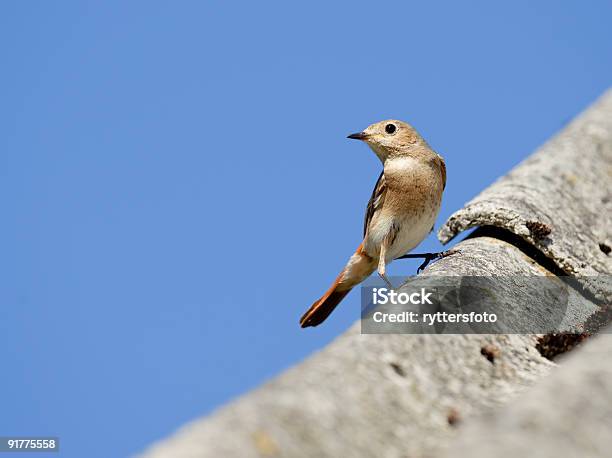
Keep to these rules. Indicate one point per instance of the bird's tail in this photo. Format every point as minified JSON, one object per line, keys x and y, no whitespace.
{"x":359,"y":267}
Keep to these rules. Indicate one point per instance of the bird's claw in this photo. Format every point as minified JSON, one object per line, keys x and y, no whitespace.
{"x":435,"y":257}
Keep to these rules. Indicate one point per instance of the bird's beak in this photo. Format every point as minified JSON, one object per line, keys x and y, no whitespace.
{"x":358,"y":136}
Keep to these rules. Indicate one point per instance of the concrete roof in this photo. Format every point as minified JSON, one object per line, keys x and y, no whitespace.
{"x":401,"y":395}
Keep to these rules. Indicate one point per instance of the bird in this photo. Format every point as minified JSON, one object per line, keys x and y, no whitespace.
{"x":400,"y":213}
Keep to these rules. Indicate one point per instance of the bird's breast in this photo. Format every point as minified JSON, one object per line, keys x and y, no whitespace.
{"x":411,"y":205}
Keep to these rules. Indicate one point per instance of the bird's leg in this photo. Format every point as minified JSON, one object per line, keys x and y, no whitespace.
{"x":382,"y":267}
{"x":428,"y":257}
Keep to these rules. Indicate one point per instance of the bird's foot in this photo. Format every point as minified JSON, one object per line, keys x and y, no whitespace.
{"x":387,"y":281}
{"x":428,"y":257}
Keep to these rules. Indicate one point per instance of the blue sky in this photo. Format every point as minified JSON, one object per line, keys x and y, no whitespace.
{"x":176,"y":186}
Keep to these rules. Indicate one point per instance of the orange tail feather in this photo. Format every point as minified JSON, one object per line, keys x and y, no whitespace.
{"x":359,"y":267}
{"x":322,"y":308}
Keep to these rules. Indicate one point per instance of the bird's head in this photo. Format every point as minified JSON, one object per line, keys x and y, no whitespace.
{"x":389,"y":138}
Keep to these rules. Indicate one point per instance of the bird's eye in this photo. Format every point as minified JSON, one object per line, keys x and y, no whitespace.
{"x":390,"y":128}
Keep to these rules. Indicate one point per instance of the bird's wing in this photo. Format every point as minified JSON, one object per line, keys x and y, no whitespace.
{"x":442,"y":170}
{"x":375,"y":202}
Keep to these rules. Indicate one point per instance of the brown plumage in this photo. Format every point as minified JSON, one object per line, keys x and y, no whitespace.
{"x":359,"y":267}
{"x":400,"y":213}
